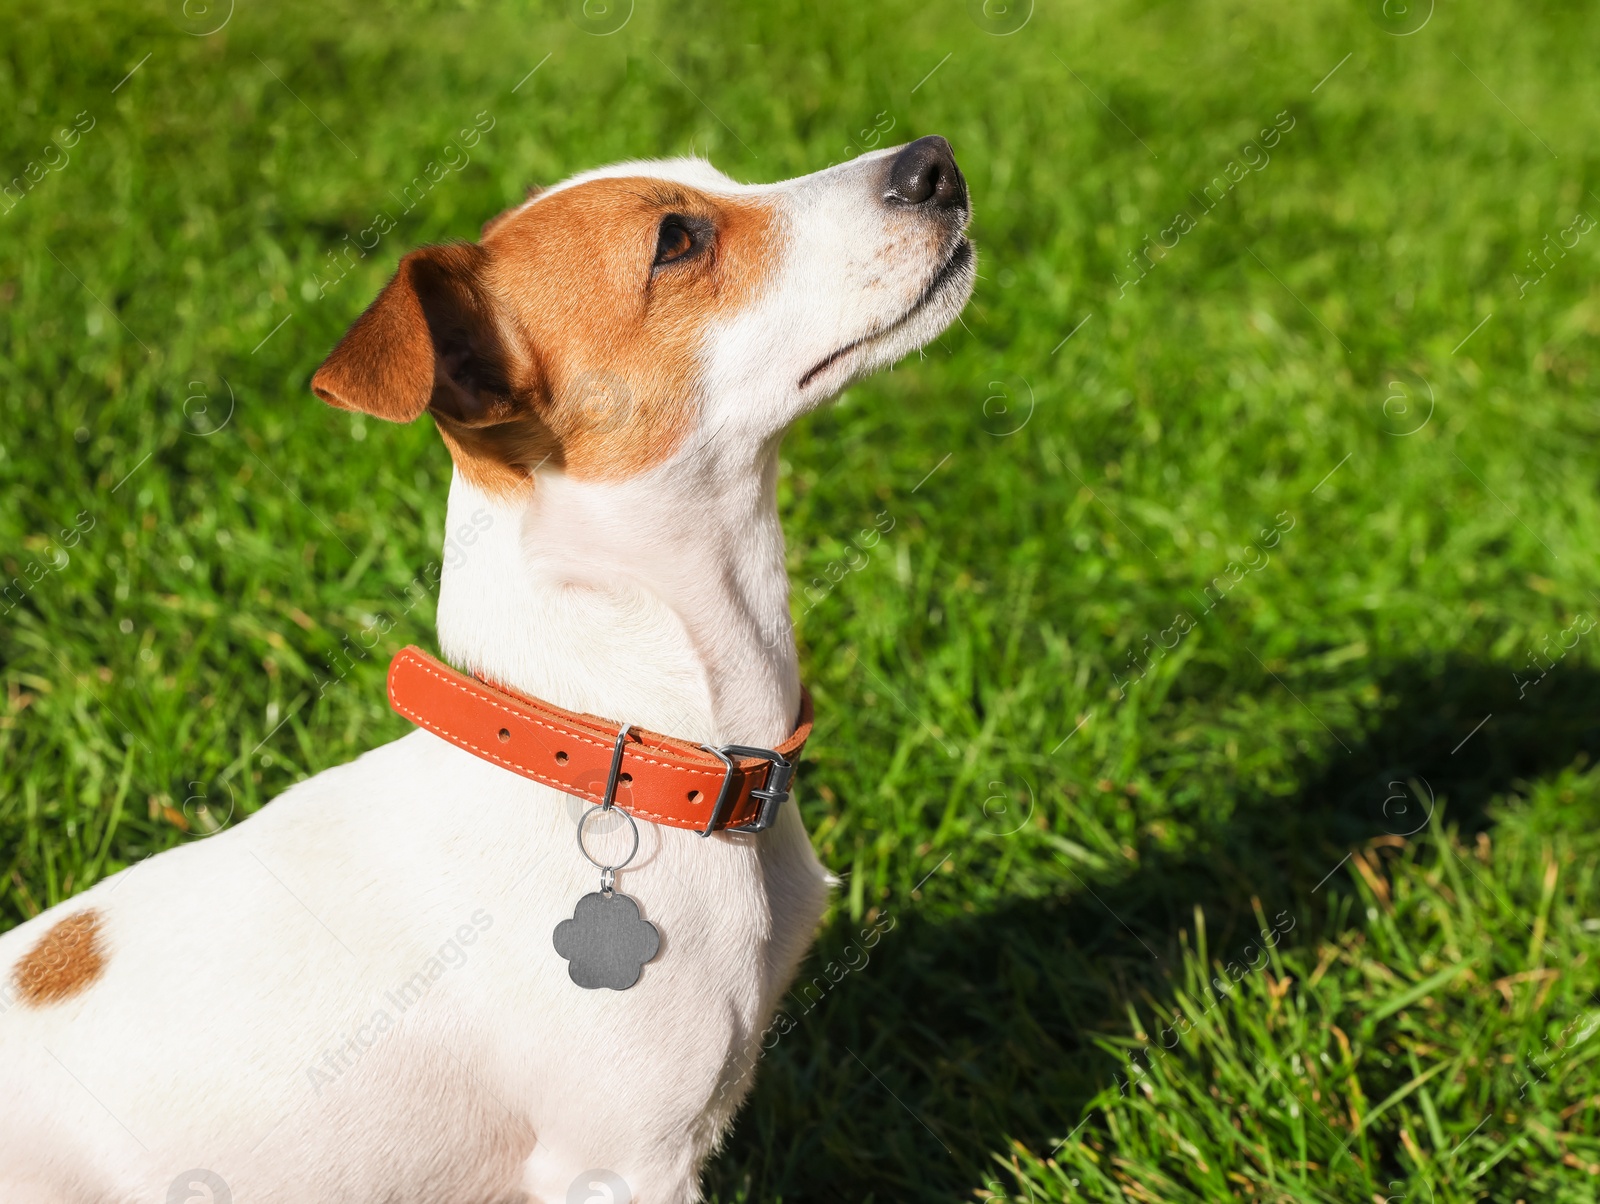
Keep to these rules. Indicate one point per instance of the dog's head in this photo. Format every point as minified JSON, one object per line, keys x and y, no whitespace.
{"x":599,"y":325}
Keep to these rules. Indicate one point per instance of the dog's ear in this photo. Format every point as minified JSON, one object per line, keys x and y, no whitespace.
{"x":430,"y":341}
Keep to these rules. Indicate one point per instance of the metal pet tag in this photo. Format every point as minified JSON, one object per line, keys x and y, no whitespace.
{"x":606,"y":943}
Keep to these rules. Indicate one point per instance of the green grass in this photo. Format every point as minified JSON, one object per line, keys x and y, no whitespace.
{"x":1063,"y":991}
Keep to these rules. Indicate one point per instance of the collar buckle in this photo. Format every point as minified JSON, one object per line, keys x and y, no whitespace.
{"x":780,"y":773}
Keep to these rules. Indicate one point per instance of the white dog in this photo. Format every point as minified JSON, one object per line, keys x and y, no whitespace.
{"x":359,"y":995}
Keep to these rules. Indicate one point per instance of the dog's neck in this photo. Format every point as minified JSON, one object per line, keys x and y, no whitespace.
{"x":660,"y":601}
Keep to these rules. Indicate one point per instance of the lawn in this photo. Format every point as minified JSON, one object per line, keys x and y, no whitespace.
{"x":1207,"y":744}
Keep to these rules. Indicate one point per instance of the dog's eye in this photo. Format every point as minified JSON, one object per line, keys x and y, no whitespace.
{"x":676,"y":240}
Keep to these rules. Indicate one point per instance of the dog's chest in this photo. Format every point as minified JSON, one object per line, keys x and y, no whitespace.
{"x":735,"y":915}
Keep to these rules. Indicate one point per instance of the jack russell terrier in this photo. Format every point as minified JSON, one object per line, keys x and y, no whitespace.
{"x":405,"y":980}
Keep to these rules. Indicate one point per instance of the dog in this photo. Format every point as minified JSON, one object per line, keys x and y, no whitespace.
{"x":354,"y":995}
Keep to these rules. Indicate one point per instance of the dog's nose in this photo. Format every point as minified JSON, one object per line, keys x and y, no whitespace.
{"x":925,"y":173}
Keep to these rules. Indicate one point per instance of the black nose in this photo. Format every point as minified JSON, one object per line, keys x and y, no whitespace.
{"x":925,"y":173}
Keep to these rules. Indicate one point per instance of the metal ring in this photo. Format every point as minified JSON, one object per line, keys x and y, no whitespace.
{"x":589,"y":814}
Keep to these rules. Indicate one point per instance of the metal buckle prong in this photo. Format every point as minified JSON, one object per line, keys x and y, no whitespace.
{"x":779,"y":775}
{"x":610,"y":799}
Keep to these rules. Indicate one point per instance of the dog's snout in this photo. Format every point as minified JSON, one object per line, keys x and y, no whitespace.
{"x":925,"y":173}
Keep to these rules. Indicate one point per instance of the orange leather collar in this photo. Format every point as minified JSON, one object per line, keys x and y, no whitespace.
{"x":650,"y":776}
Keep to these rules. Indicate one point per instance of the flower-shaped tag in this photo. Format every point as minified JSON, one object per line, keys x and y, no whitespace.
{"x":605,"y":942}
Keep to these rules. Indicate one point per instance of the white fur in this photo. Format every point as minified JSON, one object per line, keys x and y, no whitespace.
{"x":352,"y":996}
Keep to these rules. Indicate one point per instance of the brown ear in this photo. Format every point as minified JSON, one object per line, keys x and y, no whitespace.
{"x":429,"y":341}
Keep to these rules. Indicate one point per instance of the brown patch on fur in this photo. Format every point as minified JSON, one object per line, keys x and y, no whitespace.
{"x":65,"y":961}
{"x":554,"y":340}
{"x":533,"y":191}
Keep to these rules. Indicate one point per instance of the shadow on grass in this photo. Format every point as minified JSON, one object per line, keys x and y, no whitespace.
{"x":966,"y":1033}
